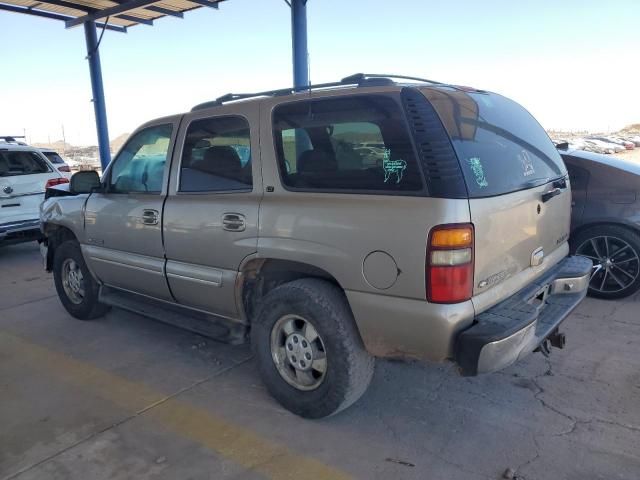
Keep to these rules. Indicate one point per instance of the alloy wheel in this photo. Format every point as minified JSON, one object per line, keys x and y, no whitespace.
{"x":616,"y":264}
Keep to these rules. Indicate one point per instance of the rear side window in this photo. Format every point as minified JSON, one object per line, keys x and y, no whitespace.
{"x":500,"y":146}
{"x":54,"y":157}
{"x":216,"y":156}
{"x":345,"y":144}
{"x":14,"y":163}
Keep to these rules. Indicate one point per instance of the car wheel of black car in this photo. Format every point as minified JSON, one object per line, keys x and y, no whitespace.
{"x":76,"y":287}
{"x":309,"y":352}
{"x":615,"y":252}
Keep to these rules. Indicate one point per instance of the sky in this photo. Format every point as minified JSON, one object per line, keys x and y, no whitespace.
{"x":573,"y":64}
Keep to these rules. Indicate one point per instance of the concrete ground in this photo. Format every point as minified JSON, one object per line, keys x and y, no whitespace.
{"x":126,"y":397}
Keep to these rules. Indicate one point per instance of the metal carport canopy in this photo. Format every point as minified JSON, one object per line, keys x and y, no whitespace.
{"x":119,"y":15}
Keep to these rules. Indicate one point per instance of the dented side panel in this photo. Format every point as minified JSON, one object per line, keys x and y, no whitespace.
{"x":67,"y":212}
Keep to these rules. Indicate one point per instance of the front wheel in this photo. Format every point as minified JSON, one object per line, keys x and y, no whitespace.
{"x":76,"y":287}
{"x":308,"y":349}
{"x":615,"y":252}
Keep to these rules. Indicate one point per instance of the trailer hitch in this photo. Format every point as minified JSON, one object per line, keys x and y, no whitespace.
{"x":555,"y":339}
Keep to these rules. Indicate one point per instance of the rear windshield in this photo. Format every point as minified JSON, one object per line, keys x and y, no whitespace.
{"x":501,"y":147}
{"x":54,"y":157}
{"x":14,"y":163}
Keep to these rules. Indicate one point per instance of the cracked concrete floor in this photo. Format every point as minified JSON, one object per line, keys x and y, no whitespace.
{"x":127,"y":397}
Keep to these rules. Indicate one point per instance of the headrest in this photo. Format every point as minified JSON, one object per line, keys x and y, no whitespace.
{"x":221,"y":160}
{"x":316,"y":161}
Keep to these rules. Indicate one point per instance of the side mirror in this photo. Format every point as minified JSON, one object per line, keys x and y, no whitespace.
{"x":84,"y":182}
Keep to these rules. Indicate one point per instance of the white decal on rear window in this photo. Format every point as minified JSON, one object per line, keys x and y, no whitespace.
{"x":527,"y":164}
{"x":392,"y":167}
{"x":478,"y":172}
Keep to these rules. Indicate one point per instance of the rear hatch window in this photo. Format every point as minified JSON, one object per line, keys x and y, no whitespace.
{"x":14,"y":163}
{"x":22,"y":172}
{"x":500,"y":146}
{"x":54,"y":158}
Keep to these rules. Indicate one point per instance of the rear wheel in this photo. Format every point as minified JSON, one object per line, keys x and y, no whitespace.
{"x":309,"y":352}
{"x":76,"y":287}
{"x":615,"y":252}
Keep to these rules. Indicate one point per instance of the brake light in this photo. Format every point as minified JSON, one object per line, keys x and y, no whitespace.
{"x":64,"y":168}
{"x":52,"y":182}
{"x":449,"y":268}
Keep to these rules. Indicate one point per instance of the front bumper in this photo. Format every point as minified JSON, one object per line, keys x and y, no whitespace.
{"x":20,"y":231}
{"x":515,"y":327}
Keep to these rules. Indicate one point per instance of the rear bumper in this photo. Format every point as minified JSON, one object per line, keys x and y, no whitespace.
{"x":24,"y":230}
{"x":515,"y":327}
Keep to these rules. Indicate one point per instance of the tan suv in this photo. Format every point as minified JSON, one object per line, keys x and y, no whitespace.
{"x":364,"y":218}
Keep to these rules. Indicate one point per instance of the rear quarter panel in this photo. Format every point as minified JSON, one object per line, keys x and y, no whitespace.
{"x":336,"y":231}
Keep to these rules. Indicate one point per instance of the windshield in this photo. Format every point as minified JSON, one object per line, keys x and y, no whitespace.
{"x":14,"y":163}
{"x":500,"y":146}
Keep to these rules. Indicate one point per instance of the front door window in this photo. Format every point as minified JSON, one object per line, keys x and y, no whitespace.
{"x":139,"y":167}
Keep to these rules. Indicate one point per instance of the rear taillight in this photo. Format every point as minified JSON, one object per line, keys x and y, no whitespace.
{"x":64,"y":168}
{"x":52,"y":182}
{"x":449,"y":269}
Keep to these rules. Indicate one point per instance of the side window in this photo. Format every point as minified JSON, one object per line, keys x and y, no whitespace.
{"x":216,"y":156}
{"x":140,"y":165}
{"x":355,"y":143}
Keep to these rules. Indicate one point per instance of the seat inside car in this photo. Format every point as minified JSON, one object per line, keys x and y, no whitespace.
{"x":222,"y":161}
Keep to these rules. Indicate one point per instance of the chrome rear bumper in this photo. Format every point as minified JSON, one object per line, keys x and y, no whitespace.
{"x":517,"y":326}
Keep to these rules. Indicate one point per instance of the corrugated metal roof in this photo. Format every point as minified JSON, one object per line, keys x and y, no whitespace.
{"x":114,"y":14}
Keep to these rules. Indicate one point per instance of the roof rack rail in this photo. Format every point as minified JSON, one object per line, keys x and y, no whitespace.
{"x":12,"y":139}
{"x":361,"y":77}
{"x":358,"y":79}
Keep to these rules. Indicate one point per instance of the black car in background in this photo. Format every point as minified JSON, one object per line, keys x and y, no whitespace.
{"x":605,"y":219}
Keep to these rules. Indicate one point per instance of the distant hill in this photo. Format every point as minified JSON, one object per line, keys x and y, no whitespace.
{"x":634,"y":127}
{"x":60,"y":146}
{"x":117,"y":142}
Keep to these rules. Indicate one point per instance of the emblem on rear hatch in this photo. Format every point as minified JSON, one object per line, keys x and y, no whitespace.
{"x":493,"y":279}
{"x":7,"y":190}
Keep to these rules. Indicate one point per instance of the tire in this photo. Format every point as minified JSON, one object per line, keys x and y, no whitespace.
{"x":622,"y":266}
{"x":85,"y":306}
{"x":348,"y":366}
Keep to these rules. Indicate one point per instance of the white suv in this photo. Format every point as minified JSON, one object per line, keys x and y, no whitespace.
{"x":25,"y":173}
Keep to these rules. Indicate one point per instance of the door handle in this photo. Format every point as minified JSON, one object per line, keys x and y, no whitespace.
{"x":550,"y":194}
{"x":233,"y":222}
{"x":150,"y":217}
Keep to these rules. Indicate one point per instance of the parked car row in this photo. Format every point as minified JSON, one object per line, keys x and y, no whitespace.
{"x":602,"y":144}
